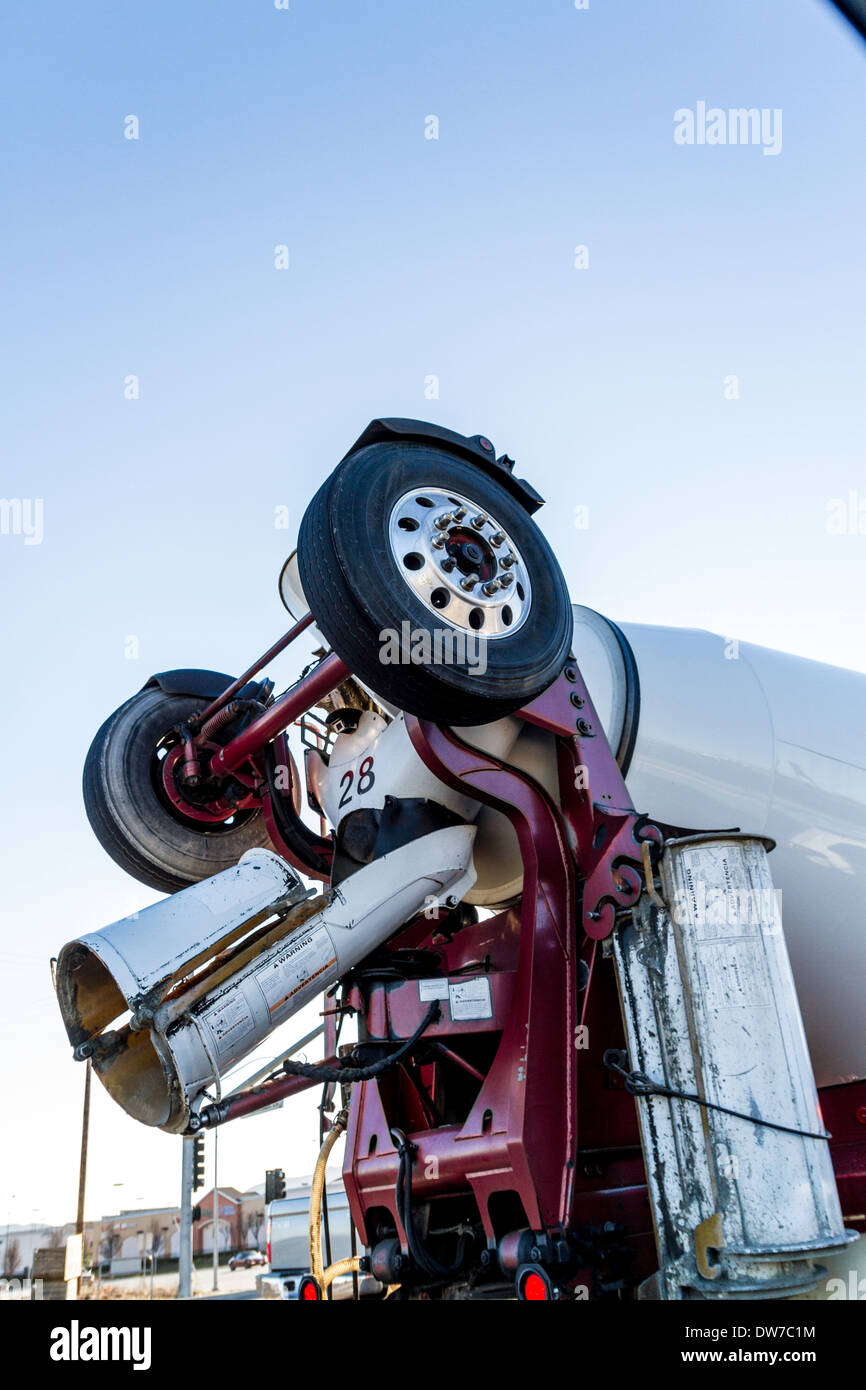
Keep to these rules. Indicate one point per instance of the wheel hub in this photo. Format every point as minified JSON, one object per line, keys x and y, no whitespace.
{"x":460,"y":562}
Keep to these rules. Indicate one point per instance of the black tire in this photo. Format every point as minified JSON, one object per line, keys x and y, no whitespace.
{"x":129,"y":813}
{"x":356,"y":590}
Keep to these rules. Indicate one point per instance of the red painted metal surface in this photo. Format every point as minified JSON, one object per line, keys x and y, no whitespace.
{"x":518,"y":1135}
{"x":309,"y":690}
{"x":214,"y":812}
{"x":841,"y":1111}
{"x":251,"y":671}
{"x":248,"y":1102}
{"x":607,"y":830}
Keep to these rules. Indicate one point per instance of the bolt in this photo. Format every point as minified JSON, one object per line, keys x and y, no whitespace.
{"x":506,"y":579}
{"x":576,"y":700}
{"x":459,"y":513}
{"x":468,"y":582}
{"x":535,"y":1254}
{"x":438,"y":542}
{"x":509,"y":559}
{"x":570,"y":674}
{"x":447,"y":564}
{"x":443,"y":522}
{"x":583,"y":727}
{"x":491,"y":587}
{"x":479,"y":521}
{"x":622,"y":887}
{"x":497,"y":538}
{"x":485,"y":1258}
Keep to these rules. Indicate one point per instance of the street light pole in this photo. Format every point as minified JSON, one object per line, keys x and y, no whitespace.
{"x":184,"y":1237}
{"x":216,"y":1205}
{"x":82,"y":1167}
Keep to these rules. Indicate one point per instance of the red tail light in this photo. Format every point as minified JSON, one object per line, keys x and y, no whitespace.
{"x":308,"y":1290}
{"x":534,"y":1285}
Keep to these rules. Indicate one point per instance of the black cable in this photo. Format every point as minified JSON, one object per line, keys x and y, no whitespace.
{"x":638,"y":1084}
{"x":403,"y":1192}
{"x":321,"y":1072}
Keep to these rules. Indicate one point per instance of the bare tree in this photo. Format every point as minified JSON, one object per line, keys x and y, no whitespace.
{"x":110,"y":1244}
{"x":11,"y":1257}
{"x":255,"y":1226}
{"x":156,"y":1236}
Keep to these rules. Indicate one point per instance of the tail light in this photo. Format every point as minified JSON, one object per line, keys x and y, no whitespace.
{"x":533,"y":1285}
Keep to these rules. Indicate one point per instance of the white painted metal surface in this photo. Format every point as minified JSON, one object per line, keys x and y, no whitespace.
{"x":378,"y":760}
{"x":166,"y":940}
{"x":189,"y":1028}
{"x":731,"y":734}
{"x":740,"y":1209}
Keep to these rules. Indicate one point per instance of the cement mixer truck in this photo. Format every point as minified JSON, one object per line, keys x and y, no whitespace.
{"x":592,"y":892}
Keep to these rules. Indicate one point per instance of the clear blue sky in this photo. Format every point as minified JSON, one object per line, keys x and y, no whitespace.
{"x":409,"y":258}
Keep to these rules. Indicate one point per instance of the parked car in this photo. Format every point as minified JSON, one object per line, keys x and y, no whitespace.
{"x":247,"y":1259}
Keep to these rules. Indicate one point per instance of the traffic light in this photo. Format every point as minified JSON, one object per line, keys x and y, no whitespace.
{"x":275,"y":1184}
{"x":198,"y":1162}
{"x":196,"y":1213}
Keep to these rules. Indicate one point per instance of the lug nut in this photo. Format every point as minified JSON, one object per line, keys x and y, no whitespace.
{"x":447,"y":564}
{"x":479,"y":521}
{"x":468,"y":582}
{"x":509,"y":559}
{"x":444,"y":521}
{"x":459,"y":513}
{"x":506,"y":579}
{"x":497,"y":538}
{"x":491,"y":587}
{"x":439,"y":542}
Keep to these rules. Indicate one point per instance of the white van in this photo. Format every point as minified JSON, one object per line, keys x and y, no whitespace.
{"x":288,"y":1244}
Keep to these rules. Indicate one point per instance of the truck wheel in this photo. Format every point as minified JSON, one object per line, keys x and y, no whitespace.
{"x":131,"y":815}
{"x":433,"y":584}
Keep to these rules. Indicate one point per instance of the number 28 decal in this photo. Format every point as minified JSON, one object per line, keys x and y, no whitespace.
{"x":366,"y":778}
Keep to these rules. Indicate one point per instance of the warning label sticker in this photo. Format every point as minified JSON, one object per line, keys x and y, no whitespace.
{"x":229,"y":1021}
{"x":735,"y":974}
{"x":433,"y":989}
{"x":470,"y":999}
{"x":294,"y":972}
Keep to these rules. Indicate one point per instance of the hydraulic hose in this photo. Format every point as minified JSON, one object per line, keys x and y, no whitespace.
{"x":316,"y":1191}
{"x":351,"y":1265}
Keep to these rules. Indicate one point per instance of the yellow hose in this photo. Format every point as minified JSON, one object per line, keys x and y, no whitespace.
{"x":351,"y":1265}
{"x":318,"y":1187}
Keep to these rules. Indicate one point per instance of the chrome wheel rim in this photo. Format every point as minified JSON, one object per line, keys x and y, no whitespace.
{"x":459,"y":562}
